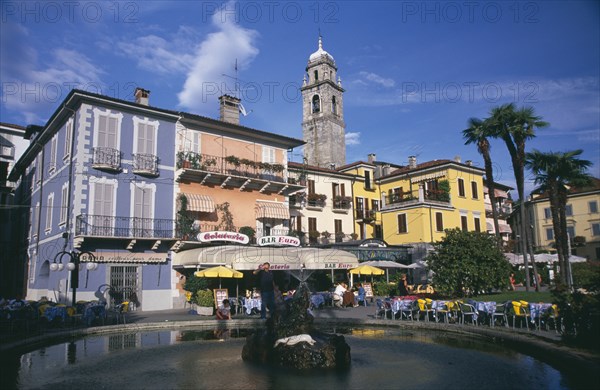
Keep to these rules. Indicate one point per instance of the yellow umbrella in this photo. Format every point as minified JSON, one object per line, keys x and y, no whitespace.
{"x":219,"y":272}
{"x":367,"y":270}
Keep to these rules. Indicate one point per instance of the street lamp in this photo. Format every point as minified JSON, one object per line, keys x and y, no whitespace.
{"x":73,"y":266}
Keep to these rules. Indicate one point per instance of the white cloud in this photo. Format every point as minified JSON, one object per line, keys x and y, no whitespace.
{"x":158,"y":55}
{"x":352,"y":138}
{"x":377,"y":79}
{"x":215,"y":56}
{"x":40,"y":82}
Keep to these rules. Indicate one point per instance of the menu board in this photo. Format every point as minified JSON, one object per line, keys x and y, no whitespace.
{"x":368,"y":290}
{"x":220,"y":295}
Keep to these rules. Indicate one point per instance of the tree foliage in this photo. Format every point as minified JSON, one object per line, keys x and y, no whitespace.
{"x":467,"y":263}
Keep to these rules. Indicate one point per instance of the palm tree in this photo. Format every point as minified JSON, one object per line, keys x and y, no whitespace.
{"x":515,"y":127}
{"x":555,"y":173}
{"x":477,"y":133}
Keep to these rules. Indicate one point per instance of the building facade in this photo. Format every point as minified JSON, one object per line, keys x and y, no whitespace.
{"x":503,"y":210}
{"x":323,"y":212}
{"x":583,"y":221}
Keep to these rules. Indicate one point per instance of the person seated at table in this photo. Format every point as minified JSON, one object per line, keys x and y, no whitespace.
{"x":224,"y":311}
{"x":338,"y":294}
{"x":402,"y":286}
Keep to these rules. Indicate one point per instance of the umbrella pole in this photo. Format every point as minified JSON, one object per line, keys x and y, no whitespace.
{"x":387,"y":275}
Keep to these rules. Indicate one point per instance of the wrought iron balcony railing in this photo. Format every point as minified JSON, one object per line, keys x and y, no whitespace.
{"x":230,"y":166}
{"x":145,"y":164}
{"x":124,"y":227}
{"x":106,"y":158}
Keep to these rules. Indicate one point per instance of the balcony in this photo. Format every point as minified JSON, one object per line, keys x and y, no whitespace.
{"x":433,"y":198}
{"x":108,"y":159}
{"x":233,"y":172}
{"x":342,"y":203}
{"x":124,"y":227}
{"x":145,"y":164}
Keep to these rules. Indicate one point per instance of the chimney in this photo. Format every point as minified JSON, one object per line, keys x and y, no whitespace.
{"x":142,"y":96}
{"x":469,"y":162}
{"x":372,"y":158}
{"x":386,"y":169}
{"x":412,"y":162}
{"x":457,"y":159}
{"x":229,"y":109}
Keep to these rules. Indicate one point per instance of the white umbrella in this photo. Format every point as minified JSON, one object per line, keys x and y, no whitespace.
{"x":385,"y":264}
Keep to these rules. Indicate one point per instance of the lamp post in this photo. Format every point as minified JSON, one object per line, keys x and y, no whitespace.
{"x":73,"y":266}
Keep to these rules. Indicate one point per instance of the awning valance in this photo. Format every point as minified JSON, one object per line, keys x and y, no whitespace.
{"x":245,"y":258}
{"x":275,"y":210}
{"x":504,"y":228}
{"x":197,"y":202}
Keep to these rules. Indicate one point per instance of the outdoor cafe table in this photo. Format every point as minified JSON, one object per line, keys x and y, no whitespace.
{"x":485,"y":309}
{"x":252,"y":303}
{"x":52,"y":312}
{"x":401,"y":304}
{"x":536,"y":311}
{"x":93,"y":310}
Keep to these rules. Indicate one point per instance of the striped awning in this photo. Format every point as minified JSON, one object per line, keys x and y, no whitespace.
{"x":275,"y":210}
{"x":504,"y":228}
{"x":203,"y":203}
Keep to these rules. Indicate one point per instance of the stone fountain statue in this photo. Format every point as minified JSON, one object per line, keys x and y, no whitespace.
{"x":291,"y":341}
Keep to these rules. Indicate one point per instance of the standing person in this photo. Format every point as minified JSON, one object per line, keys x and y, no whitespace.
{"x":511,"y":280}
{"x":265,"y":283}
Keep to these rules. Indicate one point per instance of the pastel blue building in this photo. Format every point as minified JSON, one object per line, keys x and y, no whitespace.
{"x":98,"y":180}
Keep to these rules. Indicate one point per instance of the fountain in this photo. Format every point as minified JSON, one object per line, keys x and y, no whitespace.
{"x":290,"y":340}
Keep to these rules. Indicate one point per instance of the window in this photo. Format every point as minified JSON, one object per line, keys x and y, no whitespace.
{"x":64,"y":207}
{"x":461,"y":187}
{"x":102,"y":218}
{"x":549,"y":234}
{"x":68,"y":139}
{"x":571,"y":231}
{"x":359,"y":205}
{"x":593,"y":205}
{"x":439,"y":222}
{"x":53,"y":151}
{"x":143,"y":210}
{"x":311,"y":187}
{"x":596,"y":229}
{"x":316,"y":104}
{"x":474,"y":190}
{"x":463,"y":223}
{"x":368,"y":180}
{"x":337,"y":228}
{"x":49,"y":209}
{"x":547,"y":213}
{"x":333,"y":105}
{"x":38,"y":168}
{"x":312,"y":225}
{"x":375,"y":205}
{"x":569,"y":210}
{"x":144,"y":136}
{"x":189,"y":140}
{"x":477,"y":224}
{"x":316,"y":73}
{"x":402,"y":226}
{"x":108,"y":130}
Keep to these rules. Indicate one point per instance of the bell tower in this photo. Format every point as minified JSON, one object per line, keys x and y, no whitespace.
{"x":323,"y":112}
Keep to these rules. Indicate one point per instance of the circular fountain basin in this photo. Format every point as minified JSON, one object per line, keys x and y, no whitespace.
{"x":198,"y":358}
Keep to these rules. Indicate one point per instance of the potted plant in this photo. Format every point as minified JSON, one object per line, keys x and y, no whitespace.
{"x":250,"y":232}
{"x":233,"y":160}
{"x":326,"y":236}
{"x":205,"y":301}
{"x":313,"y":236}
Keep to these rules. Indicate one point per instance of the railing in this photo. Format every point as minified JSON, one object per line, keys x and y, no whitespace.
{"x":225,"y":166}
{"x":263,"y":232}
{"x":106,"y":158}
{"x":145,"y":164}
{"x":126,"y":227}
{"x":341,"y":204}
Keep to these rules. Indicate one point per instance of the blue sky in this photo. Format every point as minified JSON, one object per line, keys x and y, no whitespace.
{"x":414,"y":72}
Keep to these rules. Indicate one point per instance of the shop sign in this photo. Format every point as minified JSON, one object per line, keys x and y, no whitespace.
{"x":223,"y":236}
{"x":278,"y":240}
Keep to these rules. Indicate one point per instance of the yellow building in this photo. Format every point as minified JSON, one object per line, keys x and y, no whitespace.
{"x":583,"y":221}
{"x":416,"y":203}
